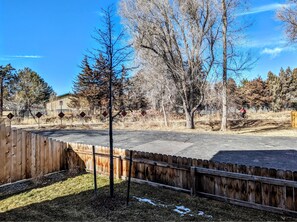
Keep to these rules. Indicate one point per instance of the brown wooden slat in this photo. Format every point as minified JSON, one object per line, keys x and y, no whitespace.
{"x":19,"y":154}
{"x":289,"y":191}
{"x":13,"y":164}
{"x":33,"y":154}
{"x":262,"y":179}
{"x":24,"y":154}
{"x":2,"y":153}
{"x":28,"y":154}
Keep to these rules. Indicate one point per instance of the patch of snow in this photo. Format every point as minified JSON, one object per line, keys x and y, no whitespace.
{"x":145,"y":200}
{"x":201,"y":213}
{"x":182,"y":210}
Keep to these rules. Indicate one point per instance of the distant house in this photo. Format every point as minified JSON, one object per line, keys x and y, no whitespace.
{"x":58,"y":104}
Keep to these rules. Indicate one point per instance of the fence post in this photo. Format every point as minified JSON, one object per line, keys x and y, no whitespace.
{"x":94,"y":168}
{"x":193,"y":183}
{"x":129,"y":178}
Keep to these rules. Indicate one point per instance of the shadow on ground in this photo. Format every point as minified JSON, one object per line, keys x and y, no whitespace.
{"x":83,"y":205}
{"x":277,"y":159}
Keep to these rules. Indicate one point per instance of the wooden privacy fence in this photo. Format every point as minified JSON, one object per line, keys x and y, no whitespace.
{"x":256,"y":191}
{"x":25,"y":155}
{"x":262,"y":188}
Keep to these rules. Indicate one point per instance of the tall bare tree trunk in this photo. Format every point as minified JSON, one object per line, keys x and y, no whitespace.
{"x":164,"y":113}
{"x":190,"y":120}
{"x":224,"y":91}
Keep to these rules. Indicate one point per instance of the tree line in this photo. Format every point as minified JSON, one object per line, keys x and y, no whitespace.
{"x":278,"y":92}
{"x":22,"y":90}
{"x":180,"y":46}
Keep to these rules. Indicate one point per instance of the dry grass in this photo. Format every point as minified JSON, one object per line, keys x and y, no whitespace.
{"x":74,"y":200}
{"x":261,"y":123}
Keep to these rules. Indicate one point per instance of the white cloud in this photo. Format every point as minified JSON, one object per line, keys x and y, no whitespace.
{"x":27,"y":56}
{"x":265,"y":42}
{"x":4,"y":59}
{"x":264,"y":8}
{"x":100,"y":13}
{"x":273,"y":52}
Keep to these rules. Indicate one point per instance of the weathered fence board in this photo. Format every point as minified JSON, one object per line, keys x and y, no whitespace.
{"x":273,"y":193}
{"x":25,"y":155}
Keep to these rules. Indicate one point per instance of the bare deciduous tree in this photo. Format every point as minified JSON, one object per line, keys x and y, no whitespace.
{"x":112,"y":47}
{"x":288,"y":14}
{"x":182,"y":34}
{"x":233,"y":61}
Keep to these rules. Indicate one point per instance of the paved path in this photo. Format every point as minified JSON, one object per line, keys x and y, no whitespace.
{"x":272,"y":152}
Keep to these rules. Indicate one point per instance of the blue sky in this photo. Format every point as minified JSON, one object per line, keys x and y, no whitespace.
{"x":52,"y":36}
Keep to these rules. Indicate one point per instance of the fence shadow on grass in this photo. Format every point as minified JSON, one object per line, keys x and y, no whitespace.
{"x":80,"y":206}
{"x":277,"y":159}
{"x":85,"y":206}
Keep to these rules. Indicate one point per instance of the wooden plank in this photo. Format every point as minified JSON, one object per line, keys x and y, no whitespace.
{"x":42,"y":155}
{"x":40,"y":159}
{"x":158,"y":169}
{"x":193,"y":181}
{"x":180,"y":176}
{"x":139,"y":168}
{"x":33,"y":155}
{"x":50,"y":155}
{"x":63,"y":155}
{"x":251,"y":186}
{"x":243,"y":184}
{"x":273,"y":189}
{"x":280,"y":190}
{"x":204,"y":179}
{"x":265,"y":187}
{"x":13,"y":164}
{"x":295,"y":190}
{"x":262,"y":179}
{"x":24,"y":154}
{"x":211,"y":179}
{"x":217,"y":181}
{"x":289,"y":191}
{"x":59,"y":153}
{"x":170,"y":171}
{"x":258,"y":186}
{"x":119,"y":164}
{"x":28,"y":154}
{"x":222,"y":181}
{"x":149,"y":168}
{"x":55,"y":156}
{"x":46,"y":156}
{"x":230,"y":191}
{"x":2,"y":154}
{"x":37,"y":155}
{"x":250,"y":205}
{"x":165,"y":171}
{"x":19,"y":154}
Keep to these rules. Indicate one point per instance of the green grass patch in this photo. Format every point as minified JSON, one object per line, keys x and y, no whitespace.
{"x":73,"y":199}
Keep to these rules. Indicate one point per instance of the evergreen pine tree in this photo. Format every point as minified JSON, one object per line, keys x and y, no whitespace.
{"x":92,"y":84}
{"x":274,"y":88}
